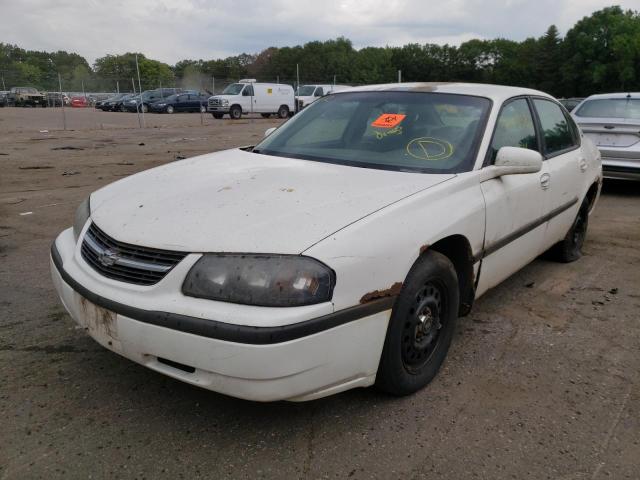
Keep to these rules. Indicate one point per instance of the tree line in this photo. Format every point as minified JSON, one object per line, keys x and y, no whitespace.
{"x":600,"y":53}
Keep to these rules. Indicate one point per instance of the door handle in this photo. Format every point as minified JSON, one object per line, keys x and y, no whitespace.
{"x":545,"y":179}
{"x":582,"y":163}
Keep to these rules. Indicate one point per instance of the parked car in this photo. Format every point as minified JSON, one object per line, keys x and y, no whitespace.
{"x":570,"y":103}
{"x":4,"y":101}
{"x":188,"y":101}
{"x":79,"y":102}
{"x":56,"y":99}
{"x":247,"y":96}
{"x":103,"y":104}
{"x":26,"y":97}
{"x":148,"y":97}
{"x":307,"y":94}
{"x":340,"y":250}
{"x":612,"y":122}
{"x":115,"y":103}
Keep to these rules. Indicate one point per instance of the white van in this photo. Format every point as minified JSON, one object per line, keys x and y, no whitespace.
{"x":247,"y":96}
{"x":307,"y":94}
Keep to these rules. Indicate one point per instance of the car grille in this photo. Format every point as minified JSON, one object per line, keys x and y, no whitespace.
{"x":125,"y":262}
{"x":215,"y":102}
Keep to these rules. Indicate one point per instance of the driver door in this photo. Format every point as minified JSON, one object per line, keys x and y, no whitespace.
{"x":514,"y":203}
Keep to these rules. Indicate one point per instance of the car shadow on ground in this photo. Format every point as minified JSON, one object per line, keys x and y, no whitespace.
{"x":627,"y":188}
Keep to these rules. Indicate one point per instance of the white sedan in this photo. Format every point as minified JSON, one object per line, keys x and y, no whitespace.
{"x":338,"y":252}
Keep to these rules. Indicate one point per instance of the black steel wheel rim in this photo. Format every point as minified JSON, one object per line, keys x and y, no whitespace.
{"x":423,"y":325}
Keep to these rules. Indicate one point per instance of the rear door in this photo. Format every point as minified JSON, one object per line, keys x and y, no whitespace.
{"x":515,"y":204}
{"x":566,"y":167}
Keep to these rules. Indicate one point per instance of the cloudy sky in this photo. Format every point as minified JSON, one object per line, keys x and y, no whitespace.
{"x":170,"y":30}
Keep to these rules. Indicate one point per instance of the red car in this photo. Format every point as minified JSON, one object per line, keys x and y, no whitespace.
{"x":79,"y":102}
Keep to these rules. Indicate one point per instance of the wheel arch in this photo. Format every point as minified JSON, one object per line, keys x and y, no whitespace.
{"x":457,"y":249}
{"x":592,"y":195}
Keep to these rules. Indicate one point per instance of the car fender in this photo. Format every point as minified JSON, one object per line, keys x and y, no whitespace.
{"x":373,"y":256}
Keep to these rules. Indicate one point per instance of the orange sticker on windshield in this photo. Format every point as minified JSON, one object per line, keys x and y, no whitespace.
{"x":388,"y":120}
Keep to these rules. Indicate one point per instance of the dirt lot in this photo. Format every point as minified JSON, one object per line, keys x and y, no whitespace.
{"x":542,"y":380}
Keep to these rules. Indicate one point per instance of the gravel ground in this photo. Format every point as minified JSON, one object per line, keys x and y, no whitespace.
{"x":542,"y":380}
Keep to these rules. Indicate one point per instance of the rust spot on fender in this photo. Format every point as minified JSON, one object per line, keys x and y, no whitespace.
{"x":424,"y":248}
{"x":376,"y":294}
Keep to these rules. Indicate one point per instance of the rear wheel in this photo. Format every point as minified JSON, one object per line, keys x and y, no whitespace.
{"x":421,"y":326}
{"x":570,"y":248}
{"x":283,"y":111}
{"x":235,"y":112}
{"x":169,"y":108}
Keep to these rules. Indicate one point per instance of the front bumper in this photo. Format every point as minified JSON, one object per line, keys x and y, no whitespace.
{"x":297,"y":361}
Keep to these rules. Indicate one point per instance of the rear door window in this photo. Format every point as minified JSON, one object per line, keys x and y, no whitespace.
{"x":557,"y":134}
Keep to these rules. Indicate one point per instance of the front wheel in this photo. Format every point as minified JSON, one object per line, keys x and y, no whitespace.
{"x":235,"y":112}
{"x":169,"y":109}
{"x":421,"y":326}
{"x":569,"y":249}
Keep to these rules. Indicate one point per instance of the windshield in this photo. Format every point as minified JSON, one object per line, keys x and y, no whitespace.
{"x":611,"y":108}
{"x":233,"y":89}
{"x":306,"y":90}
{"x":405,"y":131}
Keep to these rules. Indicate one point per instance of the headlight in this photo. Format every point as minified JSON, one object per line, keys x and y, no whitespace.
{"x":83,"y":212}
{"x":225,"y":102}
{"x":263,"y":280}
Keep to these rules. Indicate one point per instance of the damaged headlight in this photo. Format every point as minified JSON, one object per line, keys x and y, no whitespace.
{"x":262,"y":280}
{"x":83,"y":212}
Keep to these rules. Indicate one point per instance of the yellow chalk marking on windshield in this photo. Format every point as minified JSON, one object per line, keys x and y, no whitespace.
{"x":427,"y":148}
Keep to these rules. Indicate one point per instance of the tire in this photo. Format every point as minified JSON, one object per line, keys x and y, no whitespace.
{"x":421,"y":327}
{"x":283,"y":111}
{"x":123,"y":108}
{"x":570,"y":248}
{"x":265,"y":115}
{"x":145,"y":108}
{"x":235,"y":112}
{"x":169,"y":109}
{"x":217,"y":116}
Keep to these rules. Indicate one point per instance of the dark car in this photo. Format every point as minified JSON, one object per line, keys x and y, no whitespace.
{"x":3,"y":99}
{"x":119,"y":104}
{"x":570,"y":103}
{"x":107,"y":104}
{"x":148,"y":97}
{"x":188,"y":101}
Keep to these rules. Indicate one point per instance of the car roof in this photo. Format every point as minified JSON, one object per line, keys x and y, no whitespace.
{"x":497,"y":93}
{"x":614,"y":95}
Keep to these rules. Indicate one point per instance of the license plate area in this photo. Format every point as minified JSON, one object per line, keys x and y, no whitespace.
{"x":101,"y":323}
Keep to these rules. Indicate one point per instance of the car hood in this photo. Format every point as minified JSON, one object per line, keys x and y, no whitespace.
{"x":238,"y":201}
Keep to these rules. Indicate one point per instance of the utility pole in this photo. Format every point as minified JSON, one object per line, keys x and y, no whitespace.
{"x":399,"y":76}
{"x":334,"y":81}
{"x":140,"y":89}
{"x":3,"y":86}
{"x":297,"y":85}
{"x":117,"y":86}
{"x":64,"y":115}
{"x":213,"y":85}
{"x":137,"y":109}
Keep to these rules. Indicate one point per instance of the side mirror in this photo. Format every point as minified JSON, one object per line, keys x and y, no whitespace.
{"x":269,"y":131}
{"x":515,"y":160}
